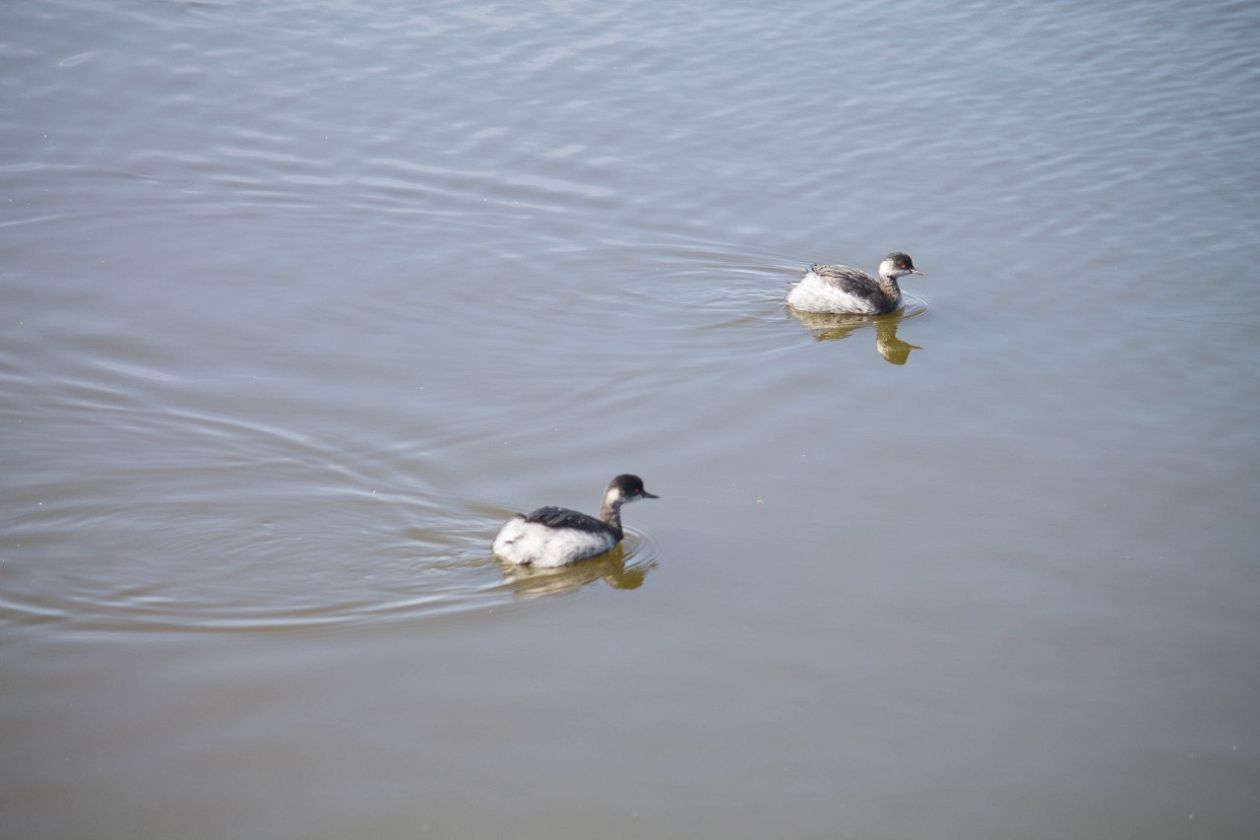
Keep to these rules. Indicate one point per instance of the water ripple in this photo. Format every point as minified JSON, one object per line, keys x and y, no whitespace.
{"x":217,"y":522}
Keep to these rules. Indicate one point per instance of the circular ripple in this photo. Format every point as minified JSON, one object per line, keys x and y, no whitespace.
{"x":227,"y":525}
{"x":269,"y":576}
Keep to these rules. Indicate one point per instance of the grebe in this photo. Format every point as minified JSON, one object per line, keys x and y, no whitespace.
{"x":556,"y":536}
{"x":851,"y":291}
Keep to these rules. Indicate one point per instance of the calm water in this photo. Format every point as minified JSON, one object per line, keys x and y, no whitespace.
{"x":300,"y":301}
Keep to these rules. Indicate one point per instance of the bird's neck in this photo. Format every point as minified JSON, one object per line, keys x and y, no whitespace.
{"x":889,"y":286}
{"x":610,"y":513}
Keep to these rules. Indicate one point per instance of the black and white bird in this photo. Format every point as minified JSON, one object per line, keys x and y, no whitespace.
{"x":556,"y":536}
{"x":844,"y":290}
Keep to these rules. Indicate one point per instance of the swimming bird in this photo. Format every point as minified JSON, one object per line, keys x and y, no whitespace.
{"x":556,"y":536}
{"x":845,"y":290}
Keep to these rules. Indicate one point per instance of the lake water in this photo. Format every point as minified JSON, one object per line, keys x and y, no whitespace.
{"x":301,"y":301}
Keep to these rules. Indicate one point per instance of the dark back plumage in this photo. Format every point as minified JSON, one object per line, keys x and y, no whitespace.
{"x":558,"y":517}
{"x":846,"y":277}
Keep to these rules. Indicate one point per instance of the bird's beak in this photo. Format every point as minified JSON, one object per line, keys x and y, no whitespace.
{"x":648,"y":495}
{"x":916,"y":271}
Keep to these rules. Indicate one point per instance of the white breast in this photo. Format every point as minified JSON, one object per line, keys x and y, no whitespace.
{"x":531,"y":544}
{"x":813,"y":294}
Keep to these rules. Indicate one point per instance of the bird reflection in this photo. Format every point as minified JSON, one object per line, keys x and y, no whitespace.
{"x":829,"y":327}
{"x":527,"y":582}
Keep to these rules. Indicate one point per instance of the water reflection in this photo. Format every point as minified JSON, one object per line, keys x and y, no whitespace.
{"x":829,"y":327}
{"x":526,"y":582}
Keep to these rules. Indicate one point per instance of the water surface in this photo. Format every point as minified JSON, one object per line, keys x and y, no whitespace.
{"x":300,"y":303}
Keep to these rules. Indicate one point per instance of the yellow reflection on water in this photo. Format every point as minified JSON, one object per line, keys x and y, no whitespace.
{"x":829,"y":327}
{"x":527,"y":582}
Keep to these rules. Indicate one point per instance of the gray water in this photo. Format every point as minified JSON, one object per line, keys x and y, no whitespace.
{"x":302,"y":300}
